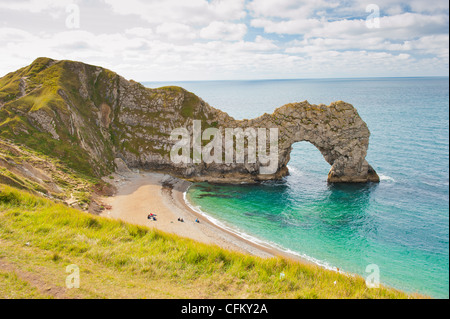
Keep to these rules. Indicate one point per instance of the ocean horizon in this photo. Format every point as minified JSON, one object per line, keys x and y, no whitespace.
{"x":172,"y":82}
{"x":400,"y":224}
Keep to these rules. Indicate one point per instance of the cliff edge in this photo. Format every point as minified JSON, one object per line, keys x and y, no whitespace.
{"x":89,"y":117}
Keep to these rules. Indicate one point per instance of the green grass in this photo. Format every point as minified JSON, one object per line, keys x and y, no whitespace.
{"x":45,"y":84}
{"x":71,"y":184}
{"x":190,"y":103}
{"x":120,"y":260}
{"x":12,"y":287}
{"x":7,"y":177}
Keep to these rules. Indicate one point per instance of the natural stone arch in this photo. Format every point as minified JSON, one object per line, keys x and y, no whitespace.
{"x":337,"y":131}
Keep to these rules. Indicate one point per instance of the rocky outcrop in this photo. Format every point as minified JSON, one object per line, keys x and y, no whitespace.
{"x":337,"y":131}
{"x":106,"y":117}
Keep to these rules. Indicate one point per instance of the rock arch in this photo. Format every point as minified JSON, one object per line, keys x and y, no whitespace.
{"x":144,"y":119}
{"x":336,"y":130}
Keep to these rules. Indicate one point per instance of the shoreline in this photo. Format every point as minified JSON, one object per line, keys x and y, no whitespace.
{"x":141,"y":193}
{"x":138,"y":192}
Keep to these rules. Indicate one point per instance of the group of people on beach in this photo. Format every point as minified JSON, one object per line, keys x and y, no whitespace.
{"x":180,"y":219}
{"x":152,"y":216}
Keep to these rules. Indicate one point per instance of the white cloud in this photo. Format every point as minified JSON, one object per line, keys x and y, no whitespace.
{"x":152,"y":58}
{"x":435,"y":44}
{"x":200,"y":39}
{"x":302,"y":9}
{"x":297,"y":26}
{"x":193,"y":12}
{"x":406,"y":25}
{"x":176,"y":31}
{"x":294,"y":9}
{"x":140,"y":32}
{"x":218,"y":30}
{"x":34,"y":6}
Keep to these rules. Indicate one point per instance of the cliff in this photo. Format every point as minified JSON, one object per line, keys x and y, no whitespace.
{"x":93,"y":119}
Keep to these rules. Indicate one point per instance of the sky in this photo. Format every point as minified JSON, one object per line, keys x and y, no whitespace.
{"x":175,"y":40}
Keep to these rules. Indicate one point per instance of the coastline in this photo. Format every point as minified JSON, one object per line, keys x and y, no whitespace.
{"x":141,"y":193}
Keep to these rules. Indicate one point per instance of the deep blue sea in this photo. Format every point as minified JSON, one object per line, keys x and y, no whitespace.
{"x":400,"y":224}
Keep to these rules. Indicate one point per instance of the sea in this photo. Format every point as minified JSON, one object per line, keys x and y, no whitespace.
{"x":398,"y":227}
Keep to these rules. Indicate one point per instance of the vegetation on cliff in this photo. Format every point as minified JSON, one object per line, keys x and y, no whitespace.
{"x":41,"y":107}
{"x":45,"y":175}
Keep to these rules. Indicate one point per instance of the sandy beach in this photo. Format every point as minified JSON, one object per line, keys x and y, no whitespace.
{"x":141,"y":193}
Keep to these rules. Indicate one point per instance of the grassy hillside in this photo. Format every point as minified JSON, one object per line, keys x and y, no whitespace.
{"x":39,"y":238}
{"x":42,"y":106}
{"x":86,"y":115}
{"x":37,"y":173}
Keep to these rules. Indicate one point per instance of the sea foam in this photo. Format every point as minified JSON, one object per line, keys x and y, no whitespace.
{"x":386,"y":178}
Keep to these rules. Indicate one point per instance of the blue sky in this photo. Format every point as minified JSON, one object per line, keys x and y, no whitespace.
{"x":231,"y":39}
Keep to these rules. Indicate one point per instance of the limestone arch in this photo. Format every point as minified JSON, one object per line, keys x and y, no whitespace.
{"x":336,"y":130}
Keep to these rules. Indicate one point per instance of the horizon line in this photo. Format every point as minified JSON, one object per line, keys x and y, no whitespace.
{"x":294,"y":79}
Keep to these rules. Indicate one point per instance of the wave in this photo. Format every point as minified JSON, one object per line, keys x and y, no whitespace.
{"x":297,"y":172}
{"x":294,"y":171}
{"x":257,"y":241}
{"x":386,"y":178}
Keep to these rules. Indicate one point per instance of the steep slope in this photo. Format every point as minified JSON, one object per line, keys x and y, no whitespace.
{"x":39,"y":239}
{"x":26,"y":169}
{"x":53,"y":107}
{"x":87,"y":116}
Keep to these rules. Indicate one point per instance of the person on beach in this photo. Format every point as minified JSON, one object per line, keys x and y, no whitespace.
{"x":197,"y":221}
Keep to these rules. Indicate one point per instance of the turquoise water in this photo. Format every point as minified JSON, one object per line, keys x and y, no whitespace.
{"x":400,"y":224}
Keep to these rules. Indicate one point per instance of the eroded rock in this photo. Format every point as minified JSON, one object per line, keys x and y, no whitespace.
{"x":106,"y":117}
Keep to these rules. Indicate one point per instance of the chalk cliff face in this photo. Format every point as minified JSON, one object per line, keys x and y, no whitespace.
{"x":89,"y":117}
